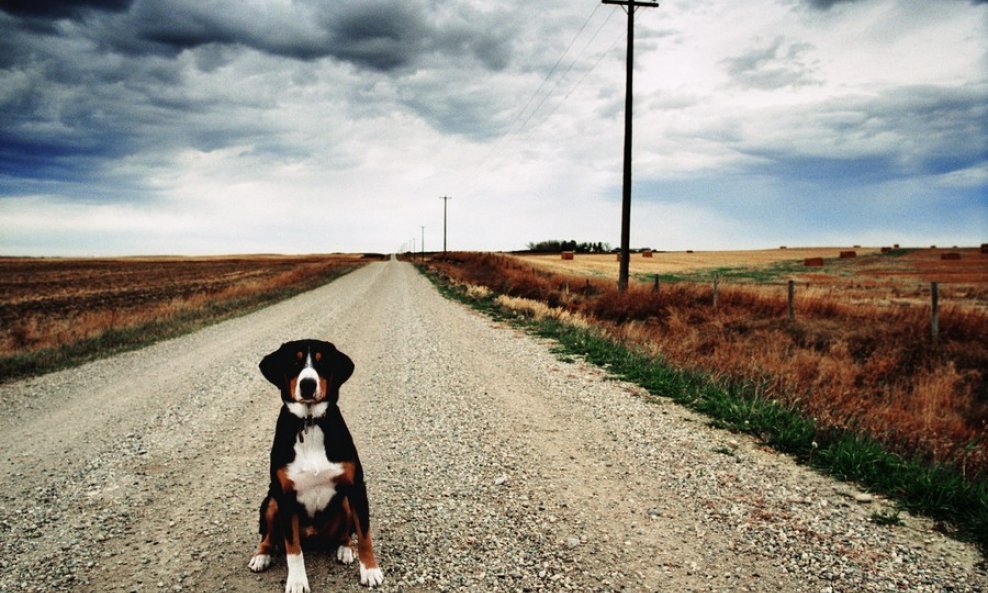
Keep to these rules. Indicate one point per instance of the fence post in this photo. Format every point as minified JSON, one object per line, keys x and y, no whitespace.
{"x":934,"y":310}
{"x":792,"y":296}
{"x":655,"y":287}
{"x":716,"y":280}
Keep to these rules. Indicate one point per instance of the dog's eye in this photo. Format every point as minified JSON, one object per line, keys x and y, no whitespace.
{"x":318,"y":356}
{"x":299,"y":355}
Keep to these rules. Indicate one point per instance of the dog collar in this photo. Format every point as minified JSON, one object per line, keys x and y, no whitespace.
{"x":307,"y":413}
{"x":306,"y":423}
{"x":303,"y":411}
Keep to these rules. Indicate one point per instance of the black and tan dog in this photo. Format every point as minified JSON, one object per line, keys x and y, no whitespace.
{"x":317,"y":485}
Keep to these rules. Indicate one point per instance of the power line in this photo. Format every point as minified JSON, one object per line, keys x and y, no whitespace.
{"x":515,"y":127}
{"x":553,"y":70}
{"x":568,"y":70}
{"x":515,"y":130}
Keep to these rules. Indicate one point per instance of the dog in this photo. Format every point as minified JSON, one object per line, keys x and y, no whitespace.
{"x":317,"y":485}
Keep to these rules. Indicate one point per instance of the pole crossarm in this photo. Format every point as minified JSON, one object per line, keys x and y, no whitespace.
{"x":631,"y":3}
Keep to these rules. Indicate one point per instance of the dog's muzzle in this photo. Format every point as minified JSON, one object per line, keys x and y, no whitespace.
{"x":307,"y":388}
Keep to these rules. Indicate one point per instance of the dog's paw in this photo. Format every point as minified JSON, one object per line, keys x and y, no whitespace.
{"x":296,"y":584}
{"x":297,"y":581}
{"x":345,"y":554}
{"x":259,"y":562}
{"x":371,"y":577}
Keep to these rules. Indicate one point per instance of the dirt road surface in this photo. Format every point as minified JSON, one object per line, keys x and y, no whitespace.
{"x":492,"y":466}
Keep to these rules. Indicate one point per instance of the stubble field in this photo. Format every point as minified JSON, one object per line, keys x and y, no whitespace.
{"x":900,"y":277}
{"x":62,"y":309}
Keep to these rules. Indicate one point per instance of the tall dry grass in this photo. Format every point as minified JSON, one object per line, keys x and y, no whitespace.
{"x":867,"y":368}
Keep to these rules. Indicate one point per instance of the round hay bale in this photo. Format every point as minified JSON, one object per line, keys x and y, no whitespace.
{"x":567,"y":255}
{"x":647,"y":253}
{"x":848,"y":254}
{"x":816,"y":262}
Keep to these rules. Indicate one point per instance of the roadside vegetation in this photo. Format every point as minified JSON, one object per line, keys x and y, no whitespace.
{"x":56,"y":313}
{"x":860,"y":392}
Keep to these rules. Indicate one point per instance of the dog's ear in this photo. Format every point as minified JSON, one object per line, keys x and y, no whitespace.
{"x":273,"y":366}
{"x":342,"y":370}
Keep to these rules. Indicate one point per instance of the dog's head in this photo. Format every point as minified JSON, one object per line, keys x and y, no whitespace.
{"x":307,"y":371}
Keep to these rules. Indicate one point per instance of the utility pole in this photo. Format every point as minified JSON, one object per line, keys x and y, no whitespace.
{"x":630,"y":6}
{"x":445,"y":200}
{"x":422,"y":226}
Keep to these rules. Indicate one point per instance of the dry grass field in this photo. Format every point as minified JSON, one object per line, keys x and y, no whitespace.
{"x":901,"y":277}
{"x":852,"y":358}
{"x":52,"y":303}
{"x":678,"y":262}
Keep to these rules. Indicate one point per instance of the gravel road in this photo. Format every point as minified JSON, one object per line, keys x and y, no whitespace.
{"x":492,"y":466}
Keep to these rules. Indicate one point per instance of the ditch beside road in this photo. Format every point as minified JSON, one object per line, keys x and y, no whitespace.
{"x":491,"y":465}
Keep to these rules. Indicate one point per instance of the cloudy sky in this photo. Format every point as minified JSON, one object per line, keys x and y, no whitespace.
{"x":296,"y":126}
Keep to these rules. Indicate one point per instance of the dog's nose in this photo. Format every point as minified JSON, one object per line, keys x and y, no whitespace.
{"x":307,"y":388}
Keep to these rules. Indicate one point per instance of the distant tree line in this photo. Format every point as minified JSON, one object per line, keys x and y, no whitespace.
{"x":554,"y":246}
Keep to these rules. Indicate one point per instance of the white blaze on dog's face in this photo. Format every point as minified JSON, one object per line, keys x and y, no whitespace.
{"x":309,"y":386}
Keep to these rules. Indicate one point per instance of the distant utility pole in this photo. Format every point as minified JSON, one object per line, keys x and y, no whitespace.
{"x":630,"y":6}
{"x":422,"y":226}
{"x":445,"y":200}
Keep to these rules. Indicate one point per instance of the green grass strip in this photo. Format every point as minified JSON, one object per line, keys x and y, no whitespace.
{"x":117,"y":340}
{"x":937,"y":491}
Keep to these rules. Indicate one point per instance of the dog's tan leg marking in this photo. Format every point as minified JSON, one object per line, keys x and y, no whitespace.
{"x":370,"y":574}
{"x":261,"y":559}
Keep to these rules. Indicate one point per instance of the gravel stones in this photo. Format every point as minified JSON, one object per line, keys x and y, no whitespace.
{"x":491,"y":466}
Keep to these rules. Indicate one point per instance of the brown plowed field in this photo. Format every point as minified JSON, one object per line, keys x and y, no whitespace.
{"x":42,"y":297}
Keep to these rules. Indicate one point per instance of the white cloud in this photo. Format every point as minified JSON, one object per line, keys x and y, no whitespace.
{"x":234,"y":130}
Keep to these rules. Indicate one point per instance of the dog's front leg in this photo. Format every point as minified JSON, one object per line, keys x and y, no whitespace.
{"x":370,"y":573}
{"x":298,"y":581}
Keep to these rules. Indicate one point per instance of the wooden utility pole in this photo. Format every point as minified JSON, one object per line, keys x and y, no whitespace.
{"x":630,"y":6}
{"x":445,"y":200}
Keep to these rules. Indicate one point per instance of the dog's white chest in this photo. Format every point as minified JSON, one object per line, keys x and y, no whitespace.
{"x":312,"y":473}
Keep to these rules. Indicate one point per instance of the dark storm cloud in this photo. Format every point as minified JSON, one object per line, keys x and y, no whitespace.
{"x":908,"y":132}
{"x":374,"y":35}
{"x":86,"y":84}
{"x":377,"y":37}
{"x":828,"y":4}
{"x":54,"y":9}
